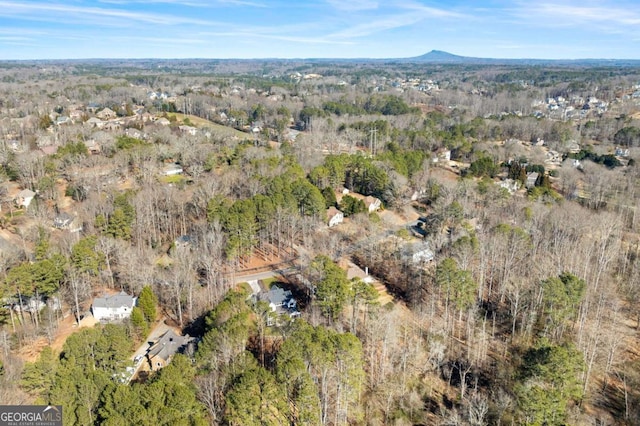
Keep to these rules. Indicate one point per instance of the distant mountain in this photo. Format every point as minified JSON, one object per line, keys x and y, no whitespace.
{"x":441,"y":57}
{"x":434,"y":57}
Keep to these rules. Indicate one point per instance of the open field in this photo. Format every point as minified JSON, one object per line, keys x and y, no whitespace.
{"x":216,"y":129}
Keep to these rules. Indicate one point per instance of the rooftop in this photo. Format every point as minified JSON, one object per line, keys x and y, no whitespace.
{"x":114,"y":301}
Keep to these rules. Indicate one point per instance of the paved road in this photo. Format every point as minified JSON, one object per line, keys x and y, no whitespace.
{"x":263,"y":275}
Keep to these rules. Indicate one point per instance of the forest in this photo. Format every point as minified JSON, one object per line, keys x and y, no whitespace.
{"x":483,"y":267}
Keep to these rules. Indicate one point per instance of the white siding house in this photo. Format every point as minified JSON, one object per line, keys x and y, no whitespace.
{"x":334,"y":216}
{"x":24,"y":198}
{"x":113,"y":308}
{"x":372,"y":203}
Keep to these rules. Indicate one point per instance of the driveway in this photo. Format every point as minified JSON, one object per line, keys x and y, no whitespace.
{"x":138,"y":357}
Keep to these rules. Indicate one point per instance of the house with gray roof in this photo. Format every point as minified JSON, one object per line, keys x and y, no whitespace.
{"x":418,"y":253}
{"x":24,"y":198}
{"x":169,"y":344}
{"x":68,"y":222}
{"x":280,"y":302}
{"x":113,"y":308}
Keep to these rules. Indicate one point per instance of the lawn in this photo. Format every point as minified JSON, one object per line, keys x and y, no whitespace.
{"x":215,"y":128}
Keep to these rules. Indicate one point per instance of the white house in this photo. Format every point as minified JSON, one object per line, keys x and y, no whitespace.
{"x":279,"y":298}
{"x":334,"y":216}
{"x":189,"y":130}
{"x":442,"y":155}
{"x":67,"y":221}
{"x":24,"y":198}
{"x":280,"y":302}
{"x":372,"y":203}
{"x":182,"y":242}
{"x":172,"y":169}
{"x":113,"y":308}
{"x":622,"y":152}
{"x":419,"y":253}
{"x":510,"y":185}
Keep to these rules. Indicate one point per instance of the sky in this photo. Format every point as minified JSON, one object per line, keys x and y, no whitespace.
{"x":544,"y":29}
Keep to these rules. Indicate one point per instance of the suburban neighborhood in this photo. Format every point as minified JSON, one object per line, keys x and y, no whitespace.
{"x":442,"y":240}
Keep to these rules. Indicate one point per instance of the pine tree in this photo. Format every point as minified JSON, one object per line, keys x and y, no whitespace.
{"x":85,"y":258}
{"x":139,"y":322}
{"x":147,"y":302}
{"x":549,"y":383}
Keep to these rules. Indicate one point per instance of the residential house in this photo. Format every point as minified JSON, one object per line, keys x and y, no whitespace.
{"x":442,"y":155}
{"x":532,"y":177}
{"x":188,"y":130}
{"x":113,"y":308}
{"x":76,"y":114}
{"x":92,"y":146}
{"x":147,"y":117}
{"x":334,"y":216}
{"x":172,"y":169}
{"x":415,"y":195}
{"x":290,"y":135}
{"x":163,"y":350}
{"x":66,"y":221}
{"x":94,"y":122}
{"x":281,"y":302}
{"x":134,"y":133}
{"x":29,"y":304}
{"x":418,"y":253}
{"x":372,"y":203}
{"x":112,"y":125}
{"x":553,"y":157}
{"x":163,"y":121}
{"x":49,"y":149}
{"x":106,"y":114}
{"x":62,"y":119}
{"x":510,"y":185}
{"x":622,"y":152}
{"x":92,"y":107}
{"x":182,"y":242}
{"x":572,"y":147}
{"x":14,"y":145}
{"x":24,"y":198}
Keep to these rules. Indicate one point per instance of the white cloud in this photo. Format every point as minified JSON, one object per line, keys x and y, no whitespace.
{"x":352,"y":5}
{"x":52,"y":12}
{"x":190,"y":3}
{"x":558,"y":14}
{"x":292,"y":38}
{"x":416,"y":13}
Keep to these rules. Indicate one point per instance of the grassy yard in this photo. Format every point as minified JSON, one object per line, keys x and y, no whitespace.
{"x":268,"y":282}
{"x":173,"y":179}
{"x":215,"y":128}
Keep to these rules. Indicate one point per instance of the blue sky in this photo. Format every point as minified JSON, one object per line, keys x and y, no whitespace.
{"x":55,"y":29}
